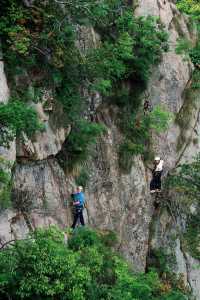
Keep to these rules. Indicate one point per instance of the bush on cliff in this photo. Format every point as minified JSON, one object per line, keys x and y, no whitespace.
{"x":190,"y":7}
{"x":16,"y":118}
{"x":41,"y":44}
{"x":44,"y":267}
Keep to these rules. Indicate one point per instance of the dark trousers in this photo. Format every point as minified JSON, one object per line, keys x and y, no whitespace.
{"x":78,"y":215}
{"x":155,"y":183}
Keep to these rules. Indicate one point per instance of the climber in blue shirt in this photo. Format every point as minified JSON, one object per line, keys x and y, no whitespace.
{"x":78,"y":203}
{"x":79,"y":197}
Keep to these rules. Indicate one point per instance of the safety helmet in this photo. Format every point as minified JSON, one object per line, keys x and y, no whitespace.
{"x":157,"y":158}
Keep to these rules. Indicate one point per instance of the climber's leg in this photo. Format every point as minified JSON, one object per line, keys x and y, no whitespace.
{"x":76,"y":216}
{"x":152,"y":185}
{"x":81,"y":218}
{"x":158,"y":181}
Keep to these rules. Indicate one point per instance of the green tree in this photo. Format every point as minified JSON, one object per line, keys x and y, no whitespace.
{"x":190,"y":7}
{"x":44,"y":267}
{"x":41,"y":42}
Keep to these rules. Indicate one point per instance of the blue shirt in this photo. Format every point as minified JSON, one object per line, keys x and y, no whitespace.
{"x":79,"y":197}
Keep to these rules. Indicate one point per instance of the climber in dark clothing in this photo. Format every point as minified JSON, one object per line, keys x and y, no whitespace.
{"x":78,"y":203}
{"x":155,"y":184}
{"x":147,"y":107}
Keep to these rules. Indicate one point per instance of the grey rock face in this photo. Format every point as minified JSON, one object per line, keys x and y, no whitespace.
{"x":45,"y":184}
{"x":115,"y":200}
{"x":171,"y":78}
{"x":167,"y":86}
{"x":166,"y":235}
{"x":46,"y":143}
{"x":120,"y":202}
{"x":49,"y":141}
{"x":7,"y":154}
{"x":41,"y":197}
{"x":193,"y":271}
{"x":4,"y":92}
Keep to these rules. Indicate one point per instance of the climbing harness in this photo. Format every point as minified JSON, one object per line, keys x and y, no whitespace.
{"x":147,"y":107}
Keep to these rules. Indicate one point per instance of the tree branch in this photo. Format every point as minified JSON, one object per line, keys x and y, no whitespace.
{"x":6,"y":243}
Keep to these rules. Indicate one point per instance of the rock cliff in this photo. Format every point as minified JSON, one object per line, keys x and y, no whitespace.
{"x":115,"y":200}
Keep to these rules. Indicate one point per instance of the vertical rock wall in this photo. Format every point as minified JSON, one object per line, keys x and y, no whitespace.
{"x":116,"y":201}
{"x":166,"y":237}
{"x":5,"y":155}
{"x":120,"y":201}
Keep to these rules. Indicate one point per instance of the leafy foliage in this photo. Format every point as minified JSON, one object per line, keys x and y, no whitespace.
{"x":44,"y":267}
{"x":76,"y":148}
{"x":5,"y":183}
{"x":84,"y":238}
{"x":138,"y":129}
{"x":165,"y":264}
{"x":174,"y":296}
{"x":195,"y":55}
{"x":186,"y":48}
{"x":192,"y":237}
{"x":196,"y":80}
{"x":98,"y":14}
{"x":4,"y":176}
{"x":41,"y":42}
{"x":190,"y":7}
{"x":183,"y":47}
{"x":44,"y":32}
{"x":183,"y":117}
{"x":83,"y":177}
{"x":15,"y":118}
{"x":128,"y":53}
{"x":185,"y":182}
